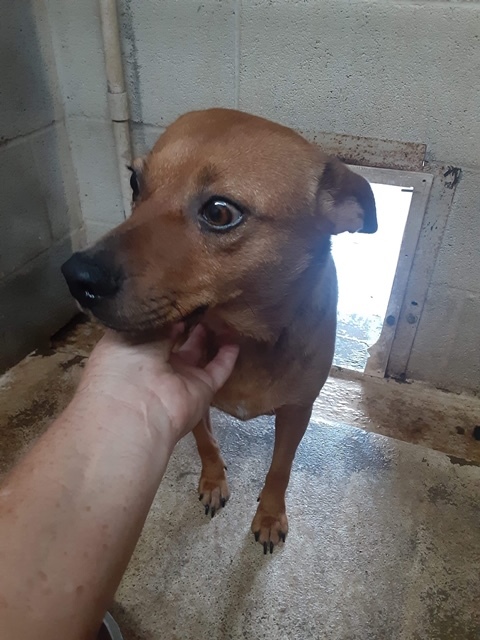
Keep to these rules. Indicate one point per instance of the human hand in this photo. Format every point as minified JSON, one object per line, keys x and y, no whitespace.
{"x":170,"y":389}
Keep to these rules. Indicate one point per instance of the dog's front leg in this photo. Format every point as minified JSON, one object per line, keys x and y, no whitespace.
{"x":270,"y":524}
{"x":213,"y":487}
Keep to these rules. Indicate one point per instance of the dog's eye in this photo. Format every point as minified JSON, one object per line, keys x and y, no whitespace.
{"x":220,"y":214}
{"x":134,"y":184}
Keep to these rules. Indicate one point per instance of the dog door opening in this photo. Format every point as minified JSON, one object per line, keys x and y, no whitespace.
{"x":366,"y":266}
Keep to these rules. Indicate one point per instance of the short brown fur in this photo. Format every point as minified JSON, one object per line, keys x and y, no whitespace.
{"x":269,"y":283}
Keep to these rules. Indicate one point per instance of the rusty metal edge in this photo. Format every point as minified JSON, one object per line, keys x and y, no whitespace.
{"x":370,"y":152}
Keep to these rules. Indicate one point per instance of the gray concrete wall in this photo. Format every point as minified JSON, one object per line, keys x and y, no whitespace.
{"x":40,"y":218}
{"x":405,"y":71}
{"x":77,"y":39}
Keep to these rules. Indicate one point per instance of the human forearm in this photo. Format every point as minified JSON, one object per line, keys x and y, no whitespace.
{"x":71,"y":514}
{"x":73,"y":509}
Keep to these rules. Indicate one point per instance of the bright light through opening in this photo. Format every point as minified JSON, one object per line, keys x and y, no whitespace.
{"x":366,"y":267}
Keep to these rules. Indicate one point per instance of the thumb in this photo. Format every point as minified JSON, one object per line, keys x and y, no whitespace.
{"x":220,"y":368}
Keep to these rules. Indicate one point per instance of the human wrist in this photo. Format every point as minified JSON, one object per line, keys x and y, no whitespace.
{"x":130,"y":411}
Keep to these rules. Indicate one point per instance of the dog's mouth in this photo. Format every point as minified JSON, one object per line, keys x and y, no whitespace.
{"x":195,"y":316}
{"x":142,"y":327}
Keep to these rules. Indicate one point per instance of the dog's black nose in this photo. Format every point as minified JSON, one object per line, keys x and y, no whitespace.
{"x":89,"y":279}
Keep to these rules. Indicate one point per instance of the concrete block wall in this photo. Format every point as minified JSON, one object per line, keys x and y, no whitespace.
{"x":77,"y":40}
{"x":401,"y":71}
{"x":40,"y":217}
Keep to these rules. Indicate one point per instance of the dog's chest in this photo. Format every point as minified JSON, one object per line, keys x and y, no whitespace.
{"x":269,"y":376}
{"x":258,"y":385}
{"x":247,"y":396}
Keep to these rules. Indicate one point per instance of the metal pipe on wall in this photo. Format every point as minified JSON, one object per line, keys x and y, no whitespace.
{"x":117,"y":97}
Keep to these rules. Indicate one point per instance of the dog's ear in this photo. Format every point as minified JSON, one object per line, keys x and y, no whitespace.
{"x":345,"y":200}
{"x":136,"y":178}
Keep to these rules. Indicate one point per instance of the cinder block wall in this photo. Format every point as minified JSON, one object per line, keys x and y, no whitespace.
{"x":404,"y":70}
{"x":77,"y":40}
{"x":40,"y":217}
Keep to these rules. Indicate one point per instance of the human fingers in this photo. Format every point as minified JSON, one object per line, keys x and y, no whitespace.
{"x":192,"y":351}
{"x":220,"y":368}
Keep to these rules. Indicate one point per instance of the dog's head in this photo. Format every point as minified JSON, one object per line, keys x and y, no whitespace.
{"x":229,"y":211}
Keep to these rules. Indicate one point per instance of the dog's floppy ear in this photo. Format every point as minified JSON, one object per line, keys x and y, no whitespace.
{"x":136,"y":178}
{"x":345,"y":200}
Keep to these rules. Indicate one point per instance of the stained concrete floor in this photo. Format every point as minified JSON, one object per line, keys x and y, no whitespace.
{"x":383,"y":505}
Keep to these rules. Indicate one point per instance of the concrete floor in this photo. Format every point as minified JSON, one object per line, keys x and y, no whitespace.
{"x":384,"y":536}
{"x":355,"y":334}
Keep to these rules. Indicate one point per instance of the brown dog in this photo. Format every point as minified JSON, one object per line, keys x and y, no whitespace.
{"x":231,"y":226}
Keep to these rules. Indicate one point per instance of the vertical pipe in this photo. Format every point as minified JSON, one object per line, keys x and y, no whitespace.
{"x":117,"y":97}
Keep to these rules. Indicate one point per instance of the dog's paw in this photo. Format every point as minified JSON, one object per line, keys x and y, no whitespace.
{"x":270,"y":525}
{"x":213,"y":490}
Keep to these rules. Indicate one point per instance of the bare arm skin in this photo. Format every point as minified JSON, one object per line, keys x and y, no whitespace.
{"x":73,"y":509}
